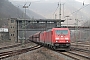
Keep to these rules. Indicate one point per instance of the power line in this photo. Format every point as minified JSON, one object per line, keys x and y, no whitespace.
{"x":55,"y":11}
{"x":80,"y":9}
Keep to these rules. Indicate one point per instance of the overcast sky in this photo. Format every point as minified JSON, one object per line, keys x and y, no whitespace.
{"x":85,"y":1}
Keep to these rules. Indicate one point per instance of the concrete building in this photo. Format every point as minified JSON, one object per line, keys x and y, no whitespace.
{"x":4,"y":34}
{"x":18,"y":28}
{"x":12,"y":26}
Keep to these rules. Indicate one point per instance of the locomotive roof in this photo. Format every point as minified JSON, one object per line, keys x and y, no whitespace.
{"x":61,"y":28}
{"x":58,"y":29}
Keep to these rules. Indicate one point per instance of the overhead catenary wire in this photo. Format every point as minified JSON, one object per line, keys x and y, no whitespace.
{"x":55,"y":11}
{"x":80,"y":9}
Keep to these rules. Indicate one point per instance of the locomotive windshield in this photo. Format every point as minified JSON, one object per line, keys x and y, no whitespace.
{"x":58,"y":32}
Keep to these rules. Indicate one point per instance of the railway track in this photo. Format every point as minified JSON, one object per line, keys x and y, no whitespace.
{"x":79,"y":49}
{"x":81,"y":45}
{"x":17,"y":52}
{"x":12,"y":46}
{"x":75,"y":55}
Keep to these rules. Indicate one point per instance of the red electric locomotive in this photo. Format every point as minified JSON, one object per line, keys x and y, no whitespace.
{"x":57,"y":38}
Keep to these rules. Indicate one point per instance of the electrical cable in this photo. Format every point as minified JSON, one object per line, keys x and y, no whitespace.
{"x":79,"y":9}
{"x":55,"y":11}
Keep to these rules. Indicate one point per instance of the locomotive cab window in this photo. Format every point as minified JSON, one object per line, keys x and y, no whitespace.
{"x":65,"y":32}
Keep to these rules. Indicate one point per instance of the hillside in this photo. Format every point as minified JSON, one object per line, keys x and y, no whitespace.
{"x":29,"y":12}
{"x":71,"y":8}
{"x":8,"y":10}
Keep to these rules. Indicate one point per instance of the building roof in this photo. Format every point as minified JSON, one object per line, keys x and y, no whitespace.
{"x":3,"y":29}
{"x":39,"y":20}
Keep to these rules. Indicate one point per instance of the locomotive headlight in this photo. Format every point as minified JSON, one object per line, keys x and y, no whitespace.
{"x":57,"y":38}
{"x":56,"y":41}
{"x":61,"y":36}
{"x":66,"y":41}
{"x":66,"y":38}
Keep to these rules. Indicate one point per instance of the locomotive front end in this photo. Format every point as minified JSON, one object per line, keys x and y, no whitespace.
{"x":61,"y":38}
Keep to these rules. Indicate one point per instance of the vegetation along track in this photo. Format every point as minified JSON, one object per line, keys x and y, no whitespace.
{"x":17,"y":52}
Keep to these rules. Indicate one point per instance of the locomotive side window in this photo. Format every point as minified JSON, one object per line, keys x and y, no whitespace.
{"x":61,"y":32}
